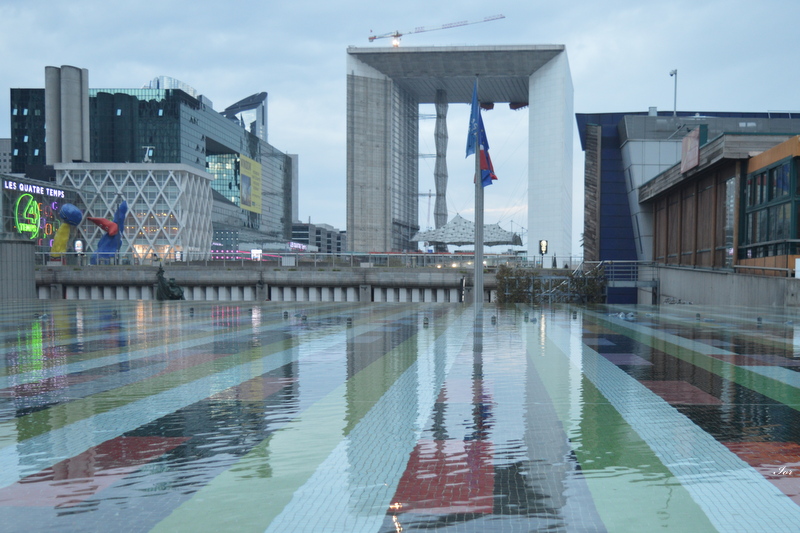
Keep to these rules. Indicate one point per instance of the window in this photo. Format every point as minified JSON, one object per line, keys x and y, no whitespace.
{"x":119,"y":112}
{"x":763,"y":225}
{"x":761,"y":184}
{"x":782,"y":180}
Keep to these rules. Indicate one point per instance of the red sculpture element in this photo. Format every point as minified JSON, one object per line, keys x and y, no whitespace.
{"x":109,"y":227}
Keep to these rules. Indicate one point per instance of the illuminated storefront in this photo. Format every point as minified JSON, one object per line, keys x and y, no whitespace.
{"x":29,"y":209}
{"x":169,"y":206}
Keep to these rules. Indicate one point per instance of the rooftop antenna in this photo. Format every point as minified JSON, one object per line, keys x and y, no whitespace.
{"x":148,"y":151}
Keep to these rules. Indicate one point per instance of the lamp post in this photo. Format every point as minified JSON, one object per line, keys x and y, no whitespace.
{"x":674,"y":73}
{"x":542,"y":250}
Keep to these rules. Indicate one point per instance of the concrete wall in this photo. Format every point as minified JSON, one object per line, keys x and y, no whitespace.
{"x":725,"y":288}
{"x":17,"y":278}
{"x":252,"y":284}
{"x":550,"y":181}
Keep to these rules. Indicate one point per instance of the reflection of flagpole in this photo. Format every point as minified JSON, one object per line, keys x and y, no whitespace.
{"x":478,"y":288}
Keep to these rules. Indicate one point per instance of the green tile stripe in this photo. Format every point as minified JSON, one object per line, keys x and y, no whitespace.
{"x":59,"y":416}
{"x":28,"y":374}
{"x":153,"y":322}
{"x":612,"y":454}
{"x":63,"y":319}
{"x":62,"y":415}
{"x":725,"y":324}
{"x":696,"y":353}
{"x":249,"y":496}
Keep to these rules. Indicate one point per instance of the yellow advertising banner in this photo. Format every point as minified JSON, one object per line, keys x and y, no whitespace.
{"x":250,"y":176}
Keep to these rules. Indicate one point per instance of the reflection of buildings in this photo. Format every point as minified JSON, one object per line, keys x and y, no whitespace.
{"x":670,"y":188}
{"x":159,"y":148}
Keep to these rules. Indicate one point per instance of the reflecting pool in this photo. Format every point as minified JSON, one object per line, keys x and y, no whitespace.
{"x":336,"y":417}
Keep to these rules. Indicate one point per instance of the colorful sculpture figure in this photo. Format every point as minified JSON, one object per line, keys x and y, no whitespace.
{"x":109,"y":244}
{"x":71,"y":216}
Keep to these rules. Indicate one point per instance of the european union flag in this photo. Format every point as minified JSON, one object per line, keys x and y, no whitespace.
{"x":474,"y":118}
{"x":476,"y":126}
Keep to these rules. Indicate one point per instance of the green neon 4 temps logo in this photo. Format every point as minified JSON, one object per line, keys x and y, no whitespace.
{"x":28,"y":215}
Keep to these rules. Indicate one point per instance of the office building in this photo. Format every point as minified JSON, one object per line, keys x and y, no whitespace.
{"x":625,"y":150}
{"x":384,"y":89}
{"x":322,"y":238}
{"x":166,"y":126}
{"x":5,"y":156}
{"x":636,"y":177}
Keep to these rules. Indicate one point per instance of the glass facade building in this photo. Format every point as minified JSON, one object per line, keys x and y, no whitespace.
{"x":771,"y":204}
{"x":27,"y":130}
{"x":324,"y":237}
{"x":170,"y":126}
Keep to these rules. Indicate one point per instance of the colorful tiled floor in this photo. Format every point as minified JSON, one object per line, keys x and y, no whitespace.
{"x":187,"y":416}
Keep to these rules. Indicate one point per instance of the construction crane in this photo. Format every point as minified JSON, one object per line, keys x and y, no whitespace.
{"x":395,"y":35}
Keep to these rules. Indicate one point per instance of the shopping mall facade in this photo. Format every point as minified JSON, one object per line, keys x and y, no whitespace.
{"x":165,"y":151}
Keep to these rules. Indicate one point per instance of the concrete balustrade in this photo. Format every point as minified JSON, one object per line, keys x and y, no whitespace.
{"x":205,"y":283}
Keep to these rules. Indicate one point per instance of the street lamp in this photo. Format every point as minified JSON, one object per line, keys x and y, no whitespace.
{"x":674,"y":72}
{"x":543,"y":249}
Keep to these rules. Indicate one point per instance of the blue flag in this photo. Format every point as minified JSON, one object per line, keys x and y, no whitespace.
{"x":476,"y":126}
{"x":474,"y":118}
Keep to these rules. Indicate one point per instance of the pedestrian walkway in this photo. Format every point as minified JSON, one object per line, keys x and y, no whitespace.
{"x":346,"y":417}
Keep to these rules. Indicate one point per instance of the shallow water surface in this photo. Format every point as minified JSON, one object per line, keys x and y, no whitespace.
{"x":343,"y":417}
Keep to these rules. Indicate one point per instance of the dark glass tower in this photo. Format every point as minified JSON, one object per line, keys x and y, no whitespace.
{"x":27,"y":131}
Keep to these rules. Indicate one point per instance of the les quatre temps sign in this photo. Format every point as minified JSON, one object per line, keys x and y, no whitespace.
{"x":34,"y":217}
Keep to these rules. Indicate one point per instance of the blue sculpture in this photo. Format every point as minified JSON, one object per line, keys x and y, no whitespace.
{"x":70,"y":214}
{"x":109,"y":244}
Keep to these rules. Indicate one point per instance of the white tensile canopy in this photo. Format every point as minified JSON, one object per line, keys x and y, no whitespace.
{"x":460,"y":231}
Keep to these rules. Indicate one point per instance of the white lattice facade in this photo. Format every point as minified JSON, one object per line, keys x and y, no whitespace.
{"x":169,"y":206}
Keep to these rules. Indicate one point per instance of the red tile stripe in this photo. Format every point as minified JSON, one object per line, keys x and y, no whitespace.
{"x":779,"y":462}
{"x":447,"y":477}
{"x":78,"y":478}
{"x":681,"y":393}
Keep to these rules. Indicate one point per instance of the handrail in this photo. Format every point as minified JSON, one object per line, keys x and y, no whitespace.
{"x":788,"y":271}
{"x":462,"y":261}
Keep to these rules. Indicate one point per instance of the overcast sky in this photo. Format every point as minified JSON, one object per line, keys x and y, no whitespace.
{"x":731,"y":55}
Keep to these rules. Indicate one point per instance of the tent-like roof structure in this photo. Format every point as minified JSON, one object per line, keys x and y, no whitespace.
{"x":460,"y":231}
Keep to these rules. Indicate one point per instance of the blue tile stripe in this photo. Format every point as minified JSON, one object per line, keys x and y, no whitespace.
{"x":778,"y":373}
{"x":358,"y":500}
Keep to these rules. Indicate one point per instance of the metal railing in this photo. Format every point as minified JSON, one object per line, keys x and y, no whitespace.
{"x":786,"y":272}
{"x":629,"y":271}
{"x":463,"y":261}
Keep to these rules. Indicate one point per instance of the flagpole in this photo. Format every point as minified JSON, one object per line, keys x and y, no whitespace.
{"x":478,"y":285}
